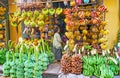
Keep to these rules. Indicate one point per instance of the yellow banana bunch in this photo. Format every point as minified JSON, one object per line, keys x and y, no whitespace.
{"x":102,"y":40}
{"x":15,"y":19}
{"x":11,"y":44}
{"x":2,"y":44}
{"x":2,"y":10}
{"x":76,"y":33}
{"x":84,"y":38}
{"x":85,"y":32}
{"x":69,"y":35}
{"x":1,"y":25}
{"x":2,"y":17}
{"x":78,"y":37}
{"x":71,"y":44}
{"x":104,"y":46}
{"x":1,"y":36}
{"x":69,"y":28}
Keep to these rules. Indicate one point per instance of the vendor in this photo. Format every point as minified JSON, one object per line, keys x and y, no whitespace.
{"x":57,"y":44}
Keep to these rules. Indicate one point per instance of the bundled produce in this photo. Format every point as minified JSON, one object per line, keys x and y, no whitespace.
{"x":106,"y":72}
{"x":20,"y":66}
{"x":13,"y":65}
{"x":6,"y":66}
{"x":2,"y":12}
{"x":38,"y":64}
{"x":28,"y":60}
{"x":87,"y":69}
{"x":37,"y":70}
{"x":113,"y":67}
{"x":50,"y":54}
{"x":29,"y":65}
{"x":44,"y":56}
{"x":20,"y":70}
{"x":94,"y":65}
{"x":66,"y":64}
{"x":91,"y":65}
{"x":2,"y":55}
{"x":77,"y":64}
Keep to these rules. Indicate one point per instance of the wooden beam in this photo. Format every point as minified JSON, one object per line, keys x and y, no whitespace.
{"x":45,"y":1}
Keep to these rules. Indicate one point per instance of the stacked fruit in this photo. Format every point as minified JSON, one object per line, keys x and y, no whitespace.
{"x":66,"y":64}
{"x":13,"y":69}
{"x":106,"y":72}
{"x":92,"y":65}
{"x":20,"y":70}
{"x":43,"y":58}
{"x":2,"y":36}
{"x":50,"y":54}
{"x":2,"y":55}
{"x":37,"y":70}
{"x":15,"y":19}
{"x":38,"y":65}
{"x":2,"y":12}
{"x":29,"y":65}
{"x":15,"y":61}
{"x":113,"y":67}
{"x":77,"y":64}
{"x":90,"y":22}
{"x":36,"y":20}
{"x":6,"y":66}
{"x":28,"y":60}
{"x":20,"y":65}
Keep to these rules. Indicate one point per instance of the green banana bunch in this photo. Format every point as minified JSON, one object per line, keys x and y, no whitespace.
{"x":17,"y":48}
{"x":106,"y":72}
{"x":17,"y":13}
{"x":11,"y":45}
{"x":2,"y":55}
{"x":87,"y":47}
{"x":14,"y":24}
{"x":24,"y":15}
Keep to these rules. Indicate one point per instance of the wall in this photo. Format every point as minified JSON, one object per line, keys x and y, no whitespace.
{"x":112,"y":17}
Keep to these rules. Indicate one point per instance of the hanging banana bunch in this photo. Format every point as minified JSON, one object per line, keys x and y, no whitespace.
{"x":15,"y":19}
